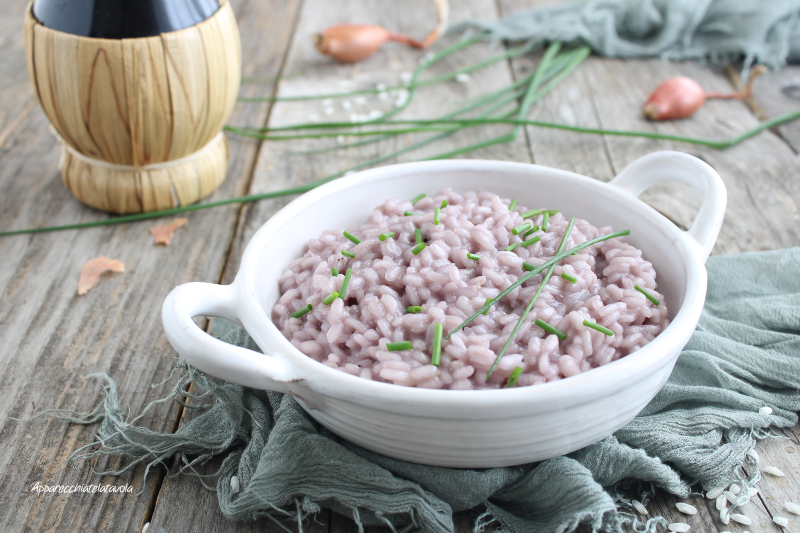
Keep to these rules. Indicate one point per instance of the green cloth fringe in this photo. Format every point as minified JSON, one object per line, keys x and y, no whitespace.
{"x":744,"y":355}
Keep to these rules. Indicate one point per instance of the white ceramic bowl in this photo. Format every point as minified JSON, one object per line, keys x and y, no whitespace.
{"x":473,"y":429}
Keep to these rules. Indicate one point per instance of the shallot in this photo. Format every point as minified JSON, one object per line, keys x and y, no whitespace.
{"x":350,"y":43}
{"x":680,"y":97}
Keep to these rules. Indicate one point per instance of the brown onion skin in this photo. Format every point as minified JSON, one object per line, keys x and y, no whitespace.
{"x":350,"y":43}
{"x":675,"y":98}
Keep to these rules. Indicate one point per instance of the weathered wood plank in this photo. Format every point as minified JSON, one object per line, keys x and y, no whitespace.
{"x":774,"y":491}
{"x":762,"y":204}
{"x":15,"y":92}
{"x":777,"y":93}
{"x":53,"y":338}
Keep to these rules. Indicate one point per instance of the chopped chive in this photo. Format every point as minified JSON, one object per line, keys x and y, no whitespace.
{"x":418,"y":235}
{"x":532,"y":230}
{"x":545,"y":220}
{"x":571,"y":279}
{"x":436,"y":213}
{"x":348,"y":254}
{"x":330,"y":298}
{"x":418,"y":198}
{"x":550,"y":329}
{"x":533,"y":270}
{"x":512,"y":379}
{"x":542,"y":285}
{"x":383,"y":236}
{"x":512,"y":205}
{"x":522,"y":228}
{"x":436,"y":352}
{"x":647,"y":295}
{"x":510,"y":247}
{"x":399,"y":346}
{"x":352,"y":237}
{"x":410,"y":214}
{"x":414,"y":309}
{"x":444,"y":204}
{"x":345,"y":283}
{"x":418,"y":248}
{"x":531,"y":213}
{"x":473,"y":257}
{"x":334,"y":272}
{"x":300,"y":312}
{"x":530,"y":241}
{"x":550,"y":212}
{"x":487,"y":302}
{"x":598,"y":327}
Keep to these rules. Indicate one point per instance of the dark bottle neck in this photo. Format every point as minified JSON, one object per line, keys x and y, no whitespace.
{"x":122,"y":19}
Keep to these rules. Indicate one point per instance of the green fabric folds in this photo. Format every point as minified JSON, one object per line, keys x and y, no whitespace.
{"x":717,"y":30}
{"x":744,"y":355}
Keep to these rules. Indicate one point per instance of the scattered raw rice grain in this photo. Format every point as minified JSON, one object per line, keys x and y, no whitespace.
{"x":383,"y":95}
{"x":313,"y":117}
{"x":381,"y":86}
{"x":679,"y":527}
{"x":405,"y":77}
{"x":462,"y":78}
{"x":340,"y":139}
{"x":346,"y":105}
{"x":639,"y":507}
{"x":235,"y":484}
{"x":771,"y":470}
{"x":730,"y":496}
{"x":740,"y":518}
{"x":724,"y":516}
{"x":329,"y":111}
{"x":685,"y":508}
{"x":765,"y":411}
{"x":145,"y":527}
{"x":375,"y":114}
{"x":715,"y":492}
{"x":721,"y":503}
{"x":735,"y":489}
{"x":359,"y":100}
{"x":753,"y":492}
{"x":753,"y":454}
{"x":781,"y":521}
{"x":792,"y":507}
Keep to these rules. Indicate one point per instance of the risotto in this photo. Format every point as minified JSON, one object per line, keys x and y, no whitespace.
{"x":375,"y":300}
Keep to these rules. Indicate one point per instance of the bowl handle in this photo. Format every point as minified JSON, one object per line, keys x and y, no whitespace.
{"x":661,"y":167}
{"x":213,"y":356}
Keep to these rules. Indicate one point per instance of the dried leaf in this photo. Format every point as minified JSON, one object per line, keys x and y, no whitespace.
{"x":163,"y":234}
{"x":94,"y":268}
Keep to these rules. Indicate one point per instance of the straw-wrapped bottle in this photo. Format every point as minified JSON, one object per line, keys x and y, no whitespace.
{"x":138,"y":92}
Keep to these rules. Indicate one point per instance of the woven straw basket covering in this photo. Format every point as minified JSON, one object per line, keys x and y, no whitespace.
{"x":140,"y":119}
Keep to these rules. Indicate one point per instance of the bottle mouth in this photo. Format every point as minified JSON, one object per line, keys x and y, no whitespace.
{"x":122,"y":19}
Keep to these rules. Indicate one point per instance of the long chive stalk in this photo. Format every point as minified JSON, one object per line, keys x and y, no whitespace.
{"x":598,"y":327}
{"x":399,"y":346}
{"x":302,"y":311}
{"x":535,"y":270}
{"x":647,"y":295}
{"x":509,"y":54}
{"x":527,"y":310}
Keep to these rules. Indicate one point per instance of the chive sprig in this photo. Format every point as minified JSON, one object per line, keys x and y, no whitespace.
{"x":418,"y":198}
{"x":550,"y":329}
{"x":418,"y":248}
{"x":414,"y":309}
{"x":522,"y":228}
{"x":328,"y":300}
{"x":598,"y":327}
{"x":345,"y":284}
{"x":436,"y":353}
{"x":512,"y":379}
{"x":383,"y":236}
{"x":348,"y":253}
{"x":399,"y":346}
{"x":571,"y":279}
{"x":352,"y":237}
{"x":648,"y":295}
{"x":300,"y":312}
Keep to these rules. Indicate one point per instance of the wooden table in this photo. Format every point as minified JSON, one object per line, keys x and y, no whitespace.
{"x":52,"y":338}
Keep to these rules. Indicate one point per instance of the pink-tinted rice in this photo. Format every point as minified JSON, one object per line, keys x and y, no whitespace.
{"x":351,"y":334}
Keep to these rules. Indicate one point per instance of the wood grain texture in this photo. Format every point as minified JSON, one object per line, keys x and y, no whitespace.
{"x":777,"y":93}
{"x":53,"y":338}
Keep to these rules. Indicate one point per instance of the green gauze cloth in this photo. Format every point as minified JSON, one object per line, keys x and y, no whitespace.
{"x":718,"y":30}
{"x":744,"y":355}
